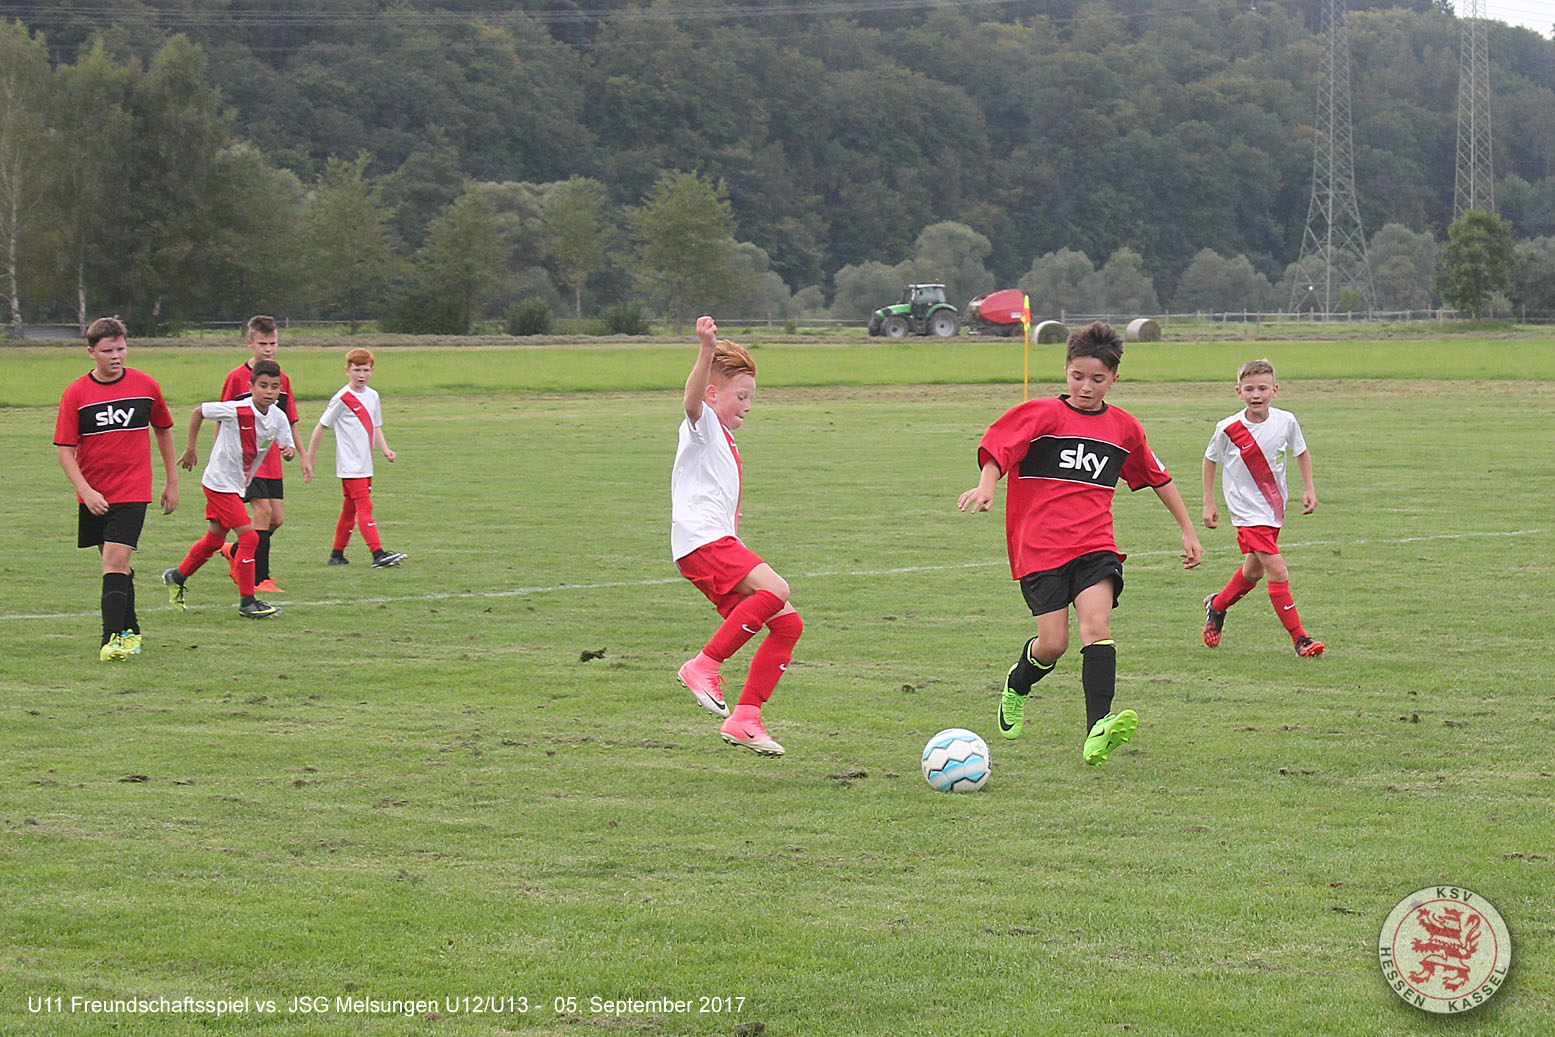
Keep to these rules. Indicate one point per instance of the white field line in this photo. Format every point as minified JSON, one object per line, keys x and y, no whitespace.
{"x":524,"y":592}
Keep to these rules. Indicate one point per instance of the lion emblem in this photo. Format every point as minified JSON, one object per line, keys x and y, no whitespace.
{"x":1449,"y":946}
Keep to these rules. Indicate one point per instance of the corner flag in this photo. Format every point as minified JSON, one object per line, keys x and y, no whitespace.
{"x":1025,"y":323}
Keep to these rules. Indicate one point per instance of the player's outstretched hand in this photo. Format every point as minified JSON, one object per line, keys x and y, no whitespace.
{"x":287,"y":453}
{"x":307,"y":467}
{"x":976,"y":499}
{"x":1192,"y":551}
{"x":1308,"y":503}
{"x":169,"y":497}
{"x":187,"y":460}
{"x":707,"y":331}
{"x":1211,"y":516}
{"x":388,"y":455}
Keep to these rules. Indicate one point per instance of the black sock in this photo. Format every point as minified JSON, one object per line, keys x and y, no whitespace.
{"x":116,"y":595}
{"x":262,"y":556}
{"x":1099,"y":675}
{"x":131,"y":620}
{"x":245,"y":599}
{"x":1028,"y":670}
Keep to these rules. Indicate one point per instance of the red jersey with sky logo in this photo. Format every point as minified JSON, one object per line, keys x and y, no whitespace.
{"x":109,"y":424}
{"x":1061,"y":466}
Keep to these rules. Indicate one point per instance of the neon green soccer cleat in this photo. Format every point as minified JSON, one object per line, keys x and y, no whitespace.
{"x":113,"y":651}
{"x":131,"y":642}
{"x":1107,"y":734}
{"x":1012,"y":709}
{"x":175,"y":588}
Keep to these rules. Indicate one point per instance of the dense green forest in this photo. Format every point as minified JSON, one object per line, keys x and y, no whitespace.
{"x":438,"y":162}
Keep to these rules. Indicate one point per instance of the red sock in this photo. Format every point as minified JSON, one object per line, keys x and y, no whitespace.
{"x":1234,"y":591}
{"x":743,"y":623}
{"x":1285,"y":608}
{"x":201,"y":552}
{"x":243,"y":554}
{"x":771,"y":659}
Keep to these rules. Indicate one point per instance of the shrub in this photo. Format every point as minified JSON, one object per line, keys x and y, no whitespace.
{"x":627,"y":318}
{"x":418,"y":311}
{"x":529,"y":317}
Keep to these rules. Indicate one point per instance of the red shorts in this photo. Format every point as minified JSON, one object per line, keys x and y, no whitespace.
{"x":1263,"y":539}
{"x":226,"y":508}
{"x":716,"y":569}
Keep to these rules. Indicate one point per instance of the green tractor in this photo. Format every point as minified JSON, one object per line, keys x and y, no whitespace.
{"x":922,"y":311}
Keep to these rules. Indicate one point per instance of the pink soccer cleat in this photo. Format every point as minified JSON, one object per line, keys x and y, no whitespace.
{"x":747,"y":731}
{"x":706,"y":684}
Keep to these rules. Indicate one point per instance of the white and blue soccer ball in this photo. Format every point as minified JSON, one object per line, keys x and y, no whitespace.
{"x":956,"y":760}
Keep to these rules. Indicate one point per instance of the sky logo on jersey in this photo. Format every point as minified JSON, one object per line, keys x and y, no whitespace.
{"x":114,"y":416}
{"x":1073,"y":459}
{"x":1084,"y":460}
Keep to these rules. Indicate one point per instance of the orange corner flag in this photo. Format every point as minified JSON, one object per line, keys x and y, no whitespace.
{"x":1025,"y":311}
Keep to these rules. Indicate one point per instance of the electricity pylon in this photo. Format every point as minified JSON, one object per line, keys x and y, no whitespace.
{"x":1474,"y":186}
{"x":1333,"y":246}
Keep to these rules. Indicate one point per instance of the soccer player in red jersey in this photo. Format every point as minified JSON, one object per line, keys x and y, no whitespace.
{"x":265,"y":495}
{"x":101,"y":437}
{"x":705,"y":486}
{"x":247,"y":428}
{"x":1064,"y":456}
{"x":1255,"y":444}
{"x":356,"y":414}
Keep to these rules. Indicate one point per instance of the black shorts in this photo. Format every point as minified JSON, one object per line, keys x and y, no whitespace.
{"x":120,"y":524}
{"x":1051,"y":590}
{"x":260,"y":488}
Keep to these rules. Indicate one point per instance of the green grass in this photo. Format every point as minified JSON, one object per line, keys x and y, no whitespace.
{"x":410,"y":784}
{"x":35,"y":375}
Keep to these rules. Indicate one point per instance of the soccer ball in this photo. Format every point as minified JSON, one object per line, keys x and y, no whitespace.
{"x":956,"y":760}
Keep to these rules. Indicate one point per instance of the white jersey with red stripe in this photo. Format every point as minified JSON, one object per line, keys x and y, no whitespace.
{"x":353,"y":435}
{"x":239,"y":447}
{"x":1255,"y":493}
{"x":704,"y":485}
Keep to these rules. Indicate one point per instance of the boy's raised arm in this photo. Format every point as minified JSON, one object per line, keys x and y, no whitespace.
{"x":702,"y":370}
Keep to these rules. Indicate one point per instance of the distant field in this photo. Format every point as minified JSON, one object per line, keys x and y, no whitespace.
{"x":413,"y":784}
{"x":36,"y":374}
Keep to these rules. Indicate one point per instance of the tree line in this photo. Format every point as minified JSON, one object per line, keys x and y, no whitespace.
{"x":434,"y":169}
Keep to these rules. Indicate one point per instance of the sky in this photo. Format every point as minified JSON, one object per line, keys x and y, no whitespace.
{"x":1537,"y":15}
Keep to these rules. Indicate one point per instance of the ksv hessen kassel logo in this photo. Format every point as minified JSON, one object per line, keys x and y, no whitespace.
{"x":1445,"y":949}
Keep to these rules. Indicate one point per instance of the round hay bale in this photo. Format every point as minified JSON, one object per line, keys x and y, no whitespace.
{"x":1050,"y":331}
{"x":1143,"y":329}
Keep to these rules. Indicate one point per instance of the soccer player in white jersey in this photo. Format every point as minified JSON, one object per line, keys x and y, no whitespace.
{"x":705,"y":487}
{"x":356,"y":414}
{"x":1255,"y":445}
{"x":247,"y":428}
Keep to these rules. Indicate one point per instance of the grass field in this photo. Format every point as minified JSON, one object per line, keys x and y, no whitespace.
{"x":413,"y":785}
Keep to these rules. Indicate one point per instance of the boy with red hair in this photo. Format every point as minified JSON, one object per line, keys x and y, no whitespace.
{"x":356,"y":414}
{"x":705,"y":487}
